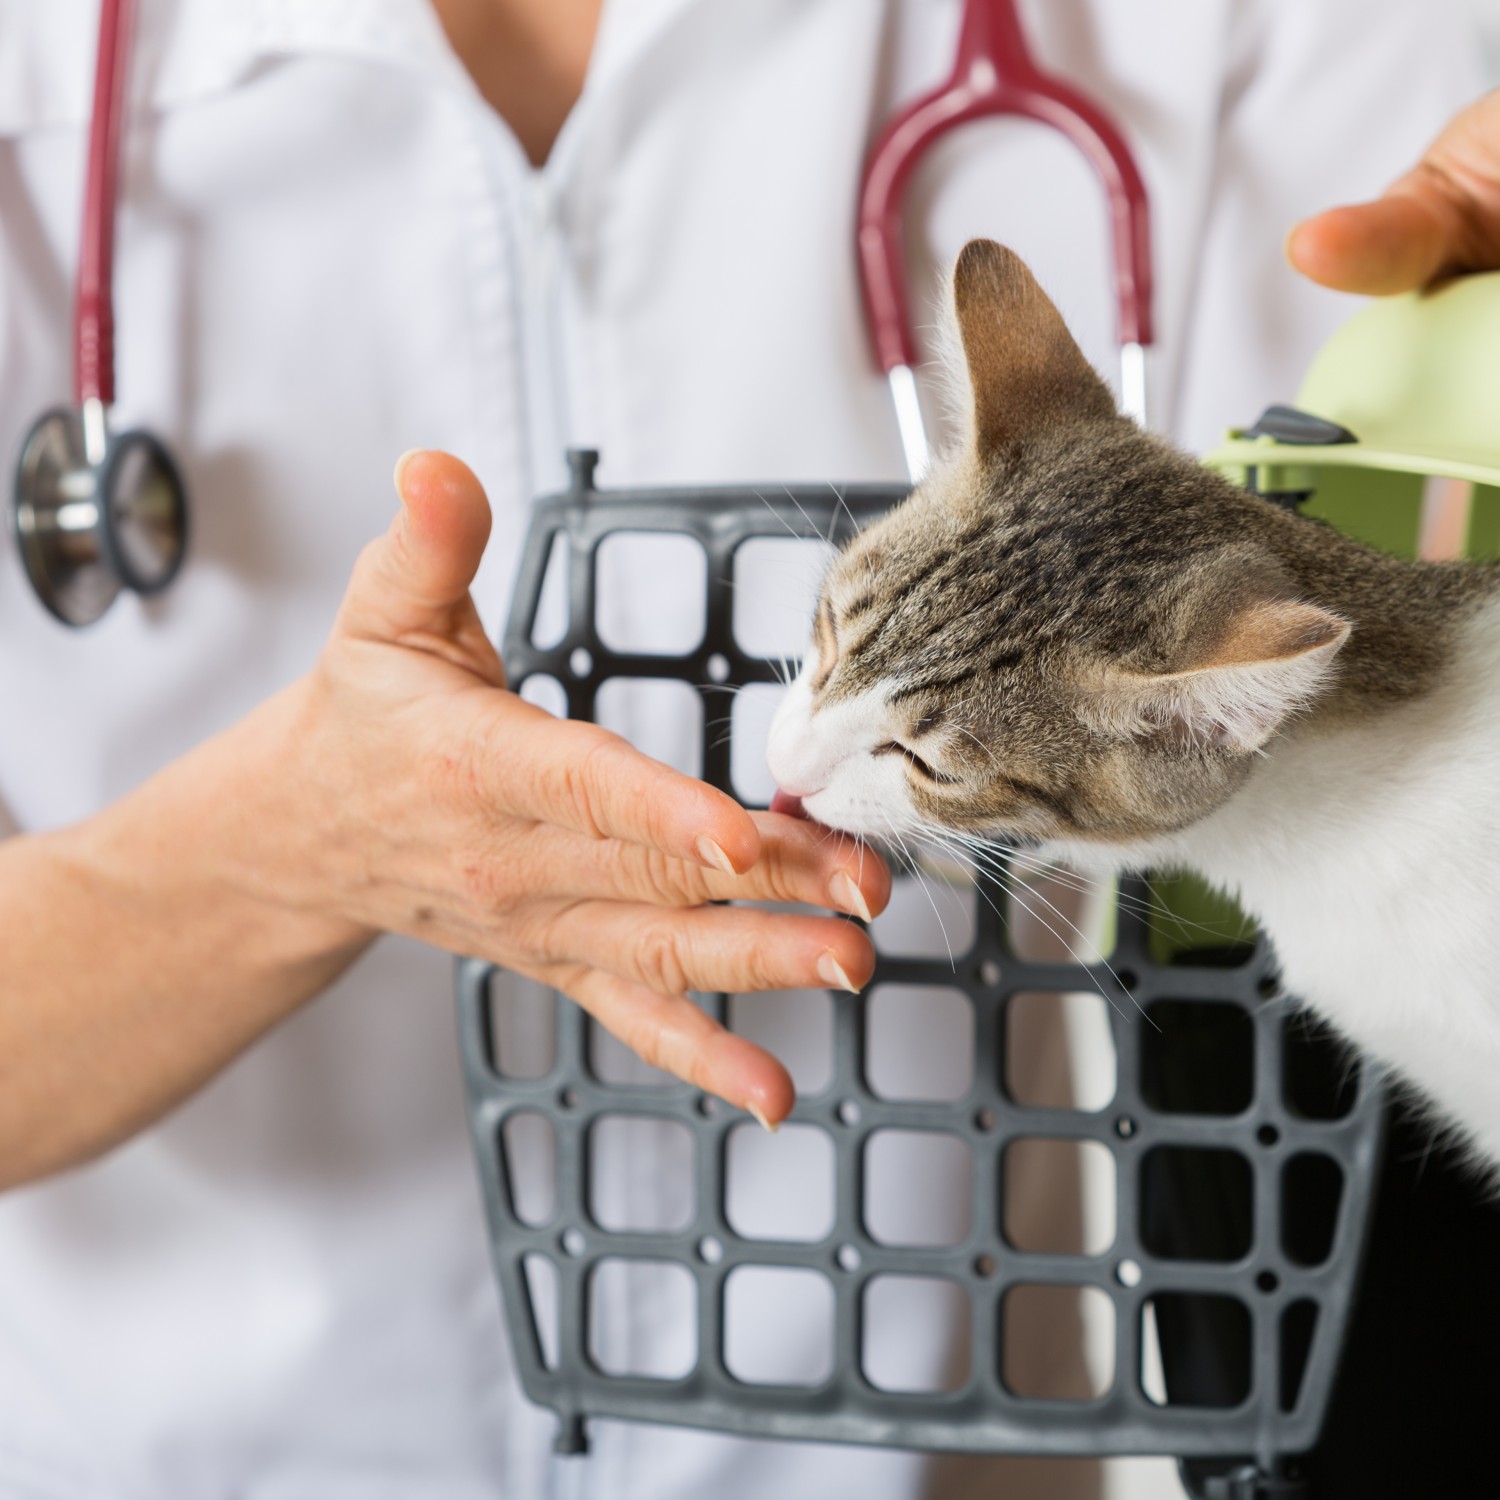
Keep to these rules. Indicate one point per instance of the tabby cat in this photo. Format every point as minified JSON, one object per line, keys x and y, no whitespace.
{"x":1073,"y":635}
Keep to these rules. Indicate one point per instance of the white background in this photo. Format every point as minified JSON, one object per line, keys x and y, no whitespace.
{"x":1487,"y":15}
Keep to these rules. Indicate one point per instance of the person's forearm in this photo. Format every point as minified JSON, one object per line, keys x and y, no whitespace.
{"x":398,"y":787}
{"x":137,"y":961}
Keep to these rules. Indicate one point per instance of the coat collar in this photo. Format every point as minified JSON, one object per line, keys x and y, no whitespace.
{"x":186,"y":50}
{"x":189,"y":50}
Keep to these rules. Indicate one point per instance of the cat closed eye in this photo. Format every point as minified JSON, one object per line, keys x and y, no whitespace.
{"x":915,"y":761}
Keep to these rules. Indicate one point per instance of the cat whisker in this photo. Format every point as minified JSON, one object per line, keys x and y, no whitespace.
{"x":916,"y":870}
{"x":791,"y":530}
{"x":1052,"y":870}
{"x":969,"y":734}
{"x":833,"y":518}
{"x":801,"y":512}
{"x":984,"y":849}
{"x":855,"y":529}
{"x":1077,"y":885}
{"x":1014,"y":890}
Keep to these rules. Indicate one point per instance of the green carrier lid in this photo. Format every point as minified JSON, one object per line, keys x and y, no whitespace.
{"x":1415,"y":379}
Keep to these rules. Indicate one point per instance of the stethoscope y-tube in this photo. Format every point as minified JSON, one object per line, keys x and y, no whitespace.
{"x":95,"y":511}
{"x":995,"y":74}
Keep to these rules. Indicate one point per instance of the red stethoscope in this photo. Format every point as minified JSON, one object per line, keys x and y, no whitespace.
{"x":994,"y":74}
{"x":97,"y":511}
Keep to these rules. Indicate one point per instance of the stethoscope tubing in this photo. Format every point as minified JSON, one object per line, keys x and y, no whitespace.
{"x":93,"y":308}
{"x":994,"y":74}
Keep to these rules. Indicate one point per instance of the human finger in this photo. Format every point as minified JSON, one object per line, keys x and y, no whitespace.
{"x":803,"y":861}
{"x":799,"y":862}
{"x":411,"y":585}
{"x":670,"y":1032}
{"x":1441,"y":218}
{"x":583,"y":778}
{"x":711,"y":948}
{"x":1391,"y":245}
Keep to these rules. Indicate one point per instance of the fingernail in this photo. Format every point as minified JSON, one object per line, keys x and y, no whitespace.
{"x":831,"y":972}
{"x":761,"y":1120}
{"x":848,"y":897}
{"x":711,"y":855}
{"x":401,"y":464}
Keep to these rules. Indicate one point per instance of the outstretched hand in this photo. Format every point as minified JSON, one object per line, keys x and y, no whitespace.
{"x":1441,"y":218}
{"x":439,"y":804}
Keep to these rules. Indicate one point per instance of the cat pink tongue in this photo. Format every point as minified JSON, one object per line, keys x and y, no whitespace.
{"x":784,"y":802}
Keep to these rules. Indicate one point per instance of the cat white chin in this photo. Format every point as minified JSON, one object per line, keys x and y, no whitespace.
{"x":866,"y":795}
{"x":825,"y":759}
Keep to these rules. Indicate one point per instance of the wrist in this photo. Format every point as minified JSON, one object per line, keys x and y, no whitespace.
{"x":219,"y":838}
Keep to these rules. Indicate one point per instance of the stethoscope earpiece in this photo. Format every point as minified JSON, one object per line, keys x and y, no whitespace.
{"x":89,"y":527}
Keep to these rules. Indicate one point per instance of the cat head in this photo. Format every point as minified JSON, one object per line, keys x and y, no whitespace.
{"x":1070,"y":631}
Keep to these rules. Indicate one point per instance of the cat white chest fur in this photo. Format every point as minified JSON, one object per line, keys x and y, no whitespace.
{"x":1371,"y":855}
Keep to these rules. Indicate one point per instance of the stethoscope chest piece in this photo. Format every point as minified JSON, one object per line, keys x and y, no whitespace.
{"x":96,"y":512}
{"x":88,"y":526}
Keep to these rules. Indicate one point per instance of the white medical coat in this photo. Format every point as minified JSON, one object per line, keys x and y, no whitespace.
{"x":331,"y":250}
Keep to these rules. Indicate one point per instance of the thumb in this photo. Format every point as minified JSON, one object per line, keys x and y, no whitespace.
{"x":1394,"y":244}
{"x":416,"y":577}
{"x":1442,"y":217}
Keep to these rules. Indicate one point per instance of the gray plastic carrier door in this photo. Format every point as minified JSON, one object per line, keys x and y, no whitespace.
{"x":1241,"y":1143}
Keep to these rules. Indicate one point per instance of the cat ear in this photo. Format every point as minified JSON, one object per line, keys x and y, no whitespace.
{"x":1025,"y":372}
{"x":1273,"y":659}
